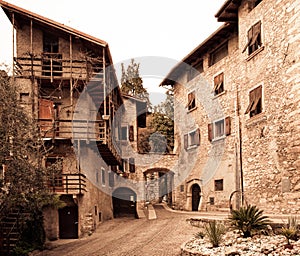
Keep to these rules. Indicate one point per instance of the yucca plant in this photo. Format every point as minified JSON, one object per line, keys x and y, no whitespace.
{"x":248,"y":219}
{"x":291,"y":229}
{"x":214,"y":232}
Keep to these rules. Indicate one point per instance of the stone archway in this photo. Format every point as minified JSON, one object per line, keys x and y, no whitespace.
{"x":194,"y":195}
{"x":159,"y":185}
{"x":124,"y":202}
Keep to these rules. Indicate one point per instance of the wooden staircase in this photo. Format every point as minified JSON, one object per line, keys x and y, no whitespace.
{"x":10,"y":227}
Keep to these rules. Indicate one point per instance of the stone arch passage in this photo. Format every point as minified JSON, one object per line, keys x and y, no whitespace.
{"x":124,"y":202}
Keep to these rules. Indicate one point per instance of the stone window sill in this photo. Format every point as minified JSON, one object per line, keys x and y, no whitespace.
{"x":220,"y":94}
{"x":254,"y":120}
{"x":192,"y":109}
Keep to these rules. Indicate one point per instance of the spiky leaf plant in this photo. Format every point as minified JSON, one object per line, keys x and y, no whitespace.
{"x":214,"y":232}
{"x":248,"y":219}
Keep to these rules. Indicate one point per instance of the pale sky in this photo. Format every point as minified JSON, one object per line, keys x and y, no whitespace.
{"x":132,"y":28}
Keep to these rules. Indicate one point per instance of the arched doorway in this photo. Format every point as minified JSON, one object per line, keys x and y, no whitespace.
{"x":68,"y":218}
{"x":195,"y":197}
{"x":124,"y":202}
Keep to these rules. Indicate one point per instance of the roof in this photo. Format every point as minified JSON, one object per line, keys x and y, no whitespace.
{"x":214,"y":40}
{"x":9,"y":9}
{"x":229,"y":11}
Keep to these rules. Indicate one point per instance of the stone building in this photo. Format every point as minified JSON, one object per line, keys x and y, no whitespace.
{"x":237,"y":110}
{"x":66,"y":85}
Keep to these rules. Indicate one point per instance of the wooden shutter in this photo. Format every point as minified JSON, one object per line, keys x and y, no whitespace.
{"x":250,"y":35}
{"x":131,"y":133}
{"x":197,"y":137}
{"x":131,"y":165}
{"x":46,"y":114}
{"x":254,"y":97}
{"x":210,"y":132}
{"x":191,"y":100}
{"x":218,"y":80}
{"x":255,"y":33}
{"x":186,"y":141}
{"x":227,"y":126}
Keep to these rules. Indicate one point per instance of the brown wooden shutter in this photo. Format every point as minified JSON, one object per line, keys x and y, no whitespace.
{"x":131,"y":133}
{"x":197,"y":135}
{"x":255,"y":32}
{"x":210,"y":132}
{"x":46,"y":114}
{"x":250,"y":35}
{"x":218,"y":80}
{"x":185,"y":141}
{"x":131,"y":165}
{"x":227,"y":126}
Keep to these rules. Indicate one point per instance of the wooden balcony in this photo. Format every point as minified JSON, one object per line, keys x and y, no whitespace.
{"x":68,"y":184}
{"x":52,"y":66}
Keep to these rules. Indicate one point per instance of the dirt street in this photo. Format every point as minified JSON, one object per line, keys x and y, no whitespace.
{"x":132,"y":237}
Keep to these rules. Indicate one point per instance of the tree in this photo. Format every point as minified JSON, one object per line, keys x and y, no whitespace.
{"x":132,"y":83}
{"x":159,"y":136}
{"x":23,"y":179}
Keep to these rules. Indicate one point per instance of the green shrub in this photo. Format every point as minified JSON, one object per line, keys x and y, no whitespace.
{"x":291,"y":229}
{"x":214,"y":232}
{"x":248,"y":219}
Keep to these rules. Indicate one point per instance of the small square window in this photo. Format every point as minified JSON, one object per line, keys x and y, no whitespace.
{"x":255,"y":102}
{"x":219,"y":84}
{"x":24,"y":98}
{"x":191,"y":101}
{"x":254,"y":38}
{"x":211,"y":200}
{"x":219,"y":185}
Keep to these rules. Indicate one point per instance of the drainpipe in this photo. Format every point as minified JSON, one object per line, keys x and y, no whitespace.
{"x":240,"y":145}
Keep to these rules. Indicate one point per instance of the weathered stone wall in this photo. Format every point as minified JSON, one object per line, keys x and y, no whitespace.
{"x":211,"y":160}
{"x":271,"y":139}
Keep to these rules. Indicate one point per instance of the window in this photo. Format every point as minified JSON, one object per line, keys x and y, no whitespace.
{"x":219,"y":84}
{"x":131,"y":165}
{"x":55,"y":167}
{"x":124,"y":133}
{"x":218,"y":54}
{"x":211,"y":200}
{"x":103,"y":176}
{"x":111,"y":179}
{"x":191,"y":101}
{"x":219,"y":129}
{"x":254,"y":38}
{"x":195,"y":70}
{"x":131,"y":133}
{"x":192,"y":139}
{"x":181,"y":188}
{"x":52,"y":64}
{"x":255,"y":102}
{"x":24,"y":97}
{"x":253,"y":3}
{"x":97,"y":176}
{"x":219,"y":185}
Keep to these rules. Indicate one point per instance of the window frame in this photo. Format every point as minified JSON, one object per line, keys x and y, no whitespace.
{"x":189,"y":139}
{"x":219,"y":184}
{"x":218,"y":51}
{"x":226,"y":129}
{"x":123,"y":127}
{"x":255,"y":102}
{"x":219,"y":84}
{"x":191,"y":105}
{"x":195,"y":70}
{"x":103,"y":178}
{"x":254,"y":39}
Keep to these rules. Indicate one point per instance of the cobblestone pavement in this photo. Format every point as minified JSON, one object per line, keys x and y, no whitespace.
{"x":132,"y":237}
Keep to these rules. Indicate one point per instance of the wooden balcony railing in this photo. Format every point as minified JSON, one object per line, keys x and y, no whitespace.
{"x":53,"y":66}
{"x":68,"y":184}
